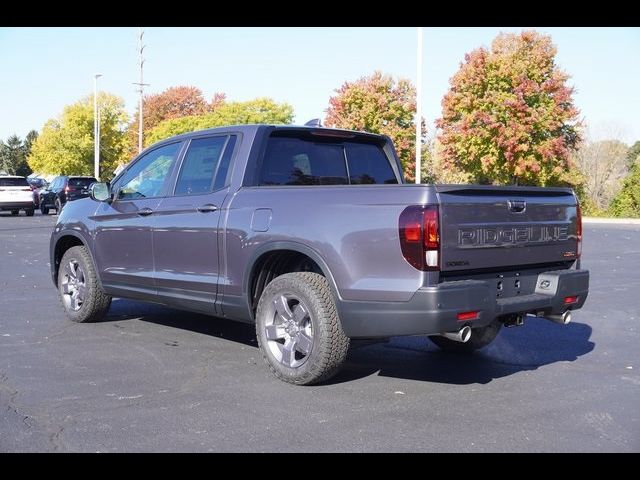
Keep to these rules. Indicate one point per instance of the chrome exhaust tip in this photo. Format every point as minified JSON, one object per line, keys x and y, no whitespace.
{"x":463,"y":335}
{"x":563,"y":319}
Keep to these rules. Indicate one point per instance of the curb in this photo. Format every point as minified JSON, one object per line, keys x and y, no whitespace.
{"x":626,"y":221}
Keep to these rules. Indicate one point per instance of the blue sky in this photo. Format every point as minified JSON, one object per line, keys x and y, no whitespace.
{"x":46,"y":68}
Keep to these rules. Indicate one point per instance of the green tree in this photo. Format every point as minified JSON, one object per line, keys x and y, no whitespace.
{"x":633,"y":154}
{"x":65,"y":145}
{"x":627,"y":202}
{"x":13,"y":156}
{"x":259,"y":110}
{"x":509,"y":114}
{"x":379,"y":104}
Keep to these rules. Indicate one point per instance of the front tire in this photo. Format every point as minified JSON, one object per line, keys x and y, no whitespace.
{"x":480,"y":338}
{"x":29,"y":212}
{"x":44,"y":210}
{"x":80,"y":291}
{"x":298,"y":329}
{"x":15,"y":212}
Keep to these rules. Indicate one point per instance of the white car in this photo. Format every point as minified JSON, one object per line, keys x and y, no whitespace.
{"x":16,"y":195}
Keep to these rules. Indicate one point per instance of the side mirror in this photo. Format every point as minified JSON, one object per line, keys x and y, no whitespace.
{"x":100,"y":192}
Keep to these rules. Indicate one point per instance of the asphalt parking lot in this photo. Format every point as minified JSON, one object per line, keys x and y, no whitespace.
{"x":154,"y":379}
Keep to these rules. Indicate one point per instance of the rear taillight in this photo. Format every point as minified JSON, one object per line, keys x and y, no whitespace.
{"x":420,"y":236}
{"x":579,"y":230}
{"x":67,"y":189}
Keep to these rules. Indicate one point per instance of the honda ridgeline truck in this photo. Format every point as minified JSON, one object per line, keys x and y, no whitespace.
{"x":313,"y":235}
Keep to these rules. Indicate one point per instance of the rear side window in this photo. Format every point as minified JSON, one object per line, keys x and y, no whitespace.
{"x":302,"y":161}
{"x":13,"y":182}
{"x":200,"y":165}
{"x":81,"y":182}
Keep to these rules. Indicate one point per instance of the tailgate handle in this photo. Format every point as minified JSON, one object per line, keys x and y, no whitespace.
{"x":517,"y":206}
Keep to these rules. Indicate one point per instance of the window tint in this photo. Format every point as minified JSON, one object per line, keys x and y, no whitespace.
{"x":294,"y":161}
{"x":13,"y":182}
{"x":223,"y":169}
{"x":147,"y":176}
{"x":368,"y":164}
{"x":199,"y":166}
{"x":81,"y":182}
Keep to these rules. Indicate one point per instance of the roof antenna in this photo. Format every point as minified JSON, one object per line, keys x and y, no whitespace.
{"x":313,"y":123}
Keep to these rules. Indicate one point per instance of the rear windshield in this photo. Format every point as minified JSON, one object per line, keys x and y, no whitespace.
{"x":303,"y":161}
{"x":81,"y":182}
{"x":13,"y":182}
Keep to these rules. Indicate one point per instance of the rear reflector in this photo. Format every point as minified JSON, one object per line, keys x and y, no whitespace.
{"x":572,"y":299}
{"x":468,"y":316}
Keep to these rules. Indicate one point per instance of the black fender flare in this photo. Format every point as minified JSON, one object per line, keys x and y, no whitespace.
{"x":296,"y":247}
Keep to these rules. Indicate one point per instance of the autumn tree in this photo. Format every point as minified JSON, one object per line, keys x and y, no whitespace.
{"x":174,"y":102}
{"x":604,"y":165}
{"x":259,"y":110}
{"x":65,"y":145}
{"x":627,"y":201}
{"x":509,"y":114}
{"x":379,"y":104}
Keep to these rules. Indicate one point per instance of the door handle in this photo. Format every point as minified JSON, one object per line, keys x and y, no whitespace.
{"x":143,"y":212}
{"x":207,"y":208}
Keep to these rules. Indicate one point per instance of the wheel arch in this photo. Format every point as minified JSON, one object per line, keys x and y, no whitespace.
{"x":63,"y":243}
{"x":268,"y":251}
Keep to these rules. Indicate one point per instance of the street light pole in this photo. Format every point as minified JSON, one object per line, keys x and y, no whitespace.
{"x":419,"y":108}
{"x":96,"y":128}
{"x":141,"y":84}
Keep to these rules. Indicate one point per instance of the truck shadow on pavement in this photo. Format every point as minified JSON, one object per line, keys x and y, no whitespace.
{"x":536,"y":344}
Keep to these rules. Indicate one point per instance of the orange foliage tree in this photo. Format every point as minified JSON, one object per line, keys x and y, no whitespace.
{"x":379,"y":104}
{"x":509,"y":114}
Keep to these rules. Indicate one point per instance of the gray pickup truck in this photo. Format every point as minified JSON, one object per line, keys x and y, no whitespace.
{"x":312,"y":234}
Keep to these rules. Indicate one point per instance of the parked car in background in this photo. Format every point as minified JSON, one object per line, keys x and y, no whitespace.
{"x":37,"y":185}
{"x":16,"y":195}
{"x":64,"y":189}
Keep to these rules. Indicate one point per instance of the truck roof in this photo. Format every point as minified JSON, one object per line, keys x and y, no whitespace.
{"x":252,"y":128}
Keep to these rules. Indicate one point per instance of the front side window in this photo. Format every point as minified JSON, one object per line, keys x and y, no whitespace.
{"x":200,"y":165}
{"x":146,"y":178}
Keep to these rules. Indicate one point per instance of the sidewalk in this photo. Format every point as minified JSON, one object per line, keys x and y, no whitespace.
{"x":632,"y":221}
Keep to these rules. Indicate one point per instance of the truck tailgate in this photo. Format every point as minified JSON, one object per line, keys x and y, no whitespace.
{"x":485,"y":227}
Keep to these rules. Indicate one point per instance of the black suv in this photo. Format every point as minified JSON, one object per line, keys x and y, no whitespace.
{"x":63,"y":189}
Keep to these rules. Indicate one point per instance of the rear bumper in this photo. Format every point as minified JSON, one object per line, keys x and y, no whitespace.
{"x":435,"y":309}
{"x":17,"y":205}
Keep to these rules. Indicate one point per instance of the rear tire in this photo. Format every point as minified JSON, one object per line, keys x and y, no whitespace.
{"x":15,"y":212}
{"x":298,"y":329}
{"x":44,"y":210}
{"x":29,"y":212}
{"x":58,"y":205}
{"x":79,"y":287}
{"x":480,"y":338}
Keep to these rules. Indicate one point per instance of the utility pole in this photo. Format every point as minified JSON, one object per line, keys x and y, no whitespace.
{"x":96,"y":128}
{"x":140,"y":84}
{"x":419,"y":108}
